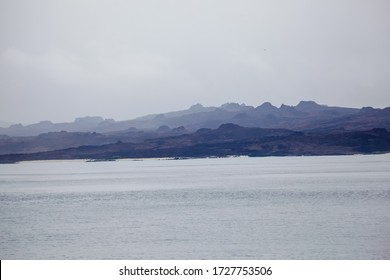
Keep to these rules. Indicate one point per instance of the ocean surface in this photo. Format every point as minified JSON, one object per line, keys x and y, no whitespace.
{"x":332,"y":207}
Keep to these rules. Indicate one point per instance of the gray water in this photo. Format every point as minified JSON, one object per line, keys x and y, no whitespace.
{"x":230,"y":208}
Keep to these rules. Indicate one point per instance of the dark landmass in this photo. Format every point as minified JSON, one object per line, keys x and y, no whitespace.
{"x":228,"y":140}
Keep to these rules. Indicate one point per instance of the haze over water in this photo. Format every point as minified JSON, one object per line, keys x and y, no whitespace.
{"x":228,"y":208}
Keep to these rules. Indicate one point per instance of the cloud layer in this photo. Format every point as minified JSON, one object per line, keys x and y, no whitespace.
{"x":121,"y":59}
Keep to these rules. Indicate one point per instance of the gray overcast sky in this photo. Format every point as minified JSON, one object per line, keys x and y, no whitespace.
{"x":121,"y":58}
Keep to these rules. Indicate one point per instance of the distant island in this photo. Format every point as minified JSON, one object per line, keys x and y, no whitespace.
{"x":229,"y":130}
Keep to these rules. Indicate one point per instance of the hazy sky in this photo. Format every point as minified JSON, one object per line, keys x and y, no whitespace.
{"x":121,"y":58}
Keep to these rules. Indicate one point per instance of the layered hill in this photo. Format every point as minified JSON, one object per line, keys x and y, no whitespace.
{"x":231,"y":129}
{"x":305,"y":116}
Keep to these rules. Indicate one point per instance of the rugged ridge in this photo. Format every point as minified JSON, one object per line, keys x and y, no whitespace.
{"x":307,"y":115}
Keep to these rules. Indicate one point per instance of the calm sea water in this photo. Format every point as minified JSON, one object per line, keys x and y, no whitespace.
{"x":230,"y":208}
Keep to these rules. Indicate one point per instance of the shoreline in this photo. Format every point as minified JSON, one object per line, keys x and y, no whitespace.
{"x":86,"y":160}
